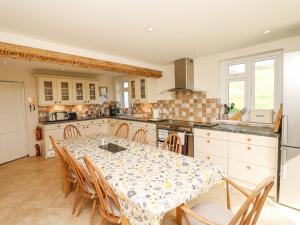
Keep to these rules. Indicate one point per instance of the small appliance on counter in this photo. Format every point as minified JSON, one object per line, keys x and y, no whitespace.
{"x":72,"y":116}
{"x":58,"y":116}
{"x":112,"y":110}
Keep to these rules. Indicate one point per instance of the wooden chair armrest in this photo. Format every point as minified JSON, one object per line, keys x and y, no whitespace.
{"x":188,"y":210}
{"x":236,"y":186}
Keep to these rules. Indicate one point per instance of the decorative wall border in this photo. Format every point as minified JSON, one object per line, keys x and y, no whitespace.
{"x":40,"y":55}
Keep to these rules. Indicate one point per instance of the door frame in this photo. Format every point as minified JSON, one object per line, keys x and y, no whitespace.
{"x":23,"y":110}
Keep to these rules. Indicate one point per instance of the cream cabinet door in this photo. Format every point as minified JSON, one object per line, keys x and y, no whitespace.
{"x":79,"y":90}
{"x":132,"y":90}
{"x":92,"y":88}
{"x":47,"y":89}
{"x":142,"y":84}
{"x":64,"y":91}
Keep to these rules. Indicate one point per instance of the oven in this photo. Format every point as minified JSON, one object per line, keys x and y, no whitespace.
{"x":183,"y":129}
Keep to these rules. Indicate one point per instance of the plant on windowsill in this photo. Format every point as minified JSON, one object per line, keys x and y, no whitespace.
{"x":227,"y":110}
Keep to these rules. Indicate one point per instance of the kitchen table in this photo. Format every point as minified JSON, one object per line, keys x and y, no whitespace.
{"x":148,"y":181}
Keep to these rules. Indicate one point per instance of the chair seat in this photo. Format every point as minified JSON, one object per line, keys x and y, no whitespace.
{"x":211,"y":211}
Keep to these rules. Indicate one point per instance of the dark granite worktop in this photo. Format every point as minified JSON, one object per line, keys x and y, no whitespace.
{"x":233,"y":128}
{"x":242,"y":129}
{"x":145,"y":120}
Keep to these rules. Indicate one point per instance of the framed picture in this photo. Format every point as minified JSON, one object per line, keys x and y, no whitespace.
{"x":103,"y":91}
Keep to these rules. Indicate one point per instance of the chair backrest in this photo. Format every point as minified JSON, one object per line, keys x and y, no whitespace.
{"x":59,"y":152}
{"x":173,"y":143}
{"x":122,"y":131}
{"x":80,"y":173}
{"x":251,"y":208}
{"x":107,"y":198}
{"x":71,"y":131}
{"x":140,"y":136}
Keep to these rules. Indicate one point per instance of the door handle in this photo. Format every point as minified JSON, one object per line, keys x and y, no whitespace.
{"x":285,"y":129}
{"x":282,"y":172}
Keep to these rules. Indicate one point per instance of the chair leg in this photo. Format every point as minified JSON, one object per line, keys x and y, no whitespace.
{"x":179,"y":214}
{"x":82,"y":204}
{"x":93,"y":211}
{"x":75,"y":199}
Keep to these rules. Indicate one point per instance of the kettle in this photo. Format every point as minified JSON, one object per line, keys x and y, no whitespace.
{"x":155,"y":113}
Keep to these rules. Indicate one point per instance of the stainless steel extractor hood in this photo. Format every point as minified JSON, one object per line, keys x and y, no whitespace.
{"x":184,"y":75}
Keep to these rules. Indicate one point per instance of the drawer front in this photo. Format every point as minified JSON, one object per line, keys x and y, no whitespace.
{"x":212,"y":158}
{"x":258,"y":155}
{"x":55,"y":126}
{"x":211,"y":146}
{"x":248,"y":172}
{"x":211,"y":134}
{"x":253,"y":139}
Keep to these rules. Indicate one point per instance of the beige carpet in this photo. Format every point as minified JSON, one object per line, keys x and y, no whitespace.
{"x":30,"y":194}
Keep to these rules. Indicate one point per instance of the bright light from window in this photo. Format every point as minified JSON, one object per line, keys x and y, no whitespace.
{"x":237,"y":69}
{"x":125,"y":84}
{"x":264,"y":84}
{"x":236,"y":94}
{"x":126,"y":99}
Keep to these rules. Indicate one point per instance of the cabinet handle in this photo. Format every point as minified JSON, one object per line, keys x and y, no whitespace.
{"x":208,"y":134}
{"x":99,"y":125}
{"x":248,"y":139}
{"x":208,"y":141}
{"x":248,"y":167}
{"x":249,"y":148}
{"x":208,"y":157}
{"x":87,"y":126}
{"x":59,"y":101}
{"x":58,"y":126}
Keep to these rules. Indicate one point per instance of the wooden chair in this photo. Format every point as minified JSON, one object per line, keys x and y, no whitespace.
{"x":84,"y":186}
{"x":71,"y":131}
{"x":173,"y":143}
{"x":67,"y":175}
{"x":122,"y":131}
{"x":109,"y":207}
{"x":213,"y":214}
{"x":140,"y":136}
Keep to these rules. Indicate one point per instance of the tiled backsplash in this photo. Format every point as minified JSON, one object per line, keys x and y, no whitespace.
{"x":184,"y":105}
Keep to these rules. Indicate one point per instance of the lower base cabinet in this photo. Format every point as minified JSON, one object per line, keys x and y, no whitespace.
{"x":247,"y":159}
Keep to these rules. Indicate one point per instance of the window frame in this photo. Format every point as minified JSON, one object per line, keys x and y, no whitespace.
{"x":253,"y":61}
{"x":249,"y":77}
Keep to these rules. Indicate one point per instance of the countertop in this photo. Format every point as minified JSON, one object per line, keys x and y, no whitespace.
{"x":145,"y":120}
{"x":233,"y":128}
{"x":242,"y":129}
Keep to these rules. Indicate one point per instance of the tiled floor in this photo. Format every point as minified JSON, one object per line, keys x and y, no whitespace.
{"x":30,"y":194}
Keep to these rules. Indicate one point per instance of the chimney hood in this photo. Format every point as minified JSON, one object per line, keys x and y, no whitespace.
{"x":184,"y":75}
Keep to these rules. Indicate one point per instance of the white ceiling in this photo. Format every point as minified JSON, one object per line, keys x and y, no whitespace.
{"x":179,"y":26}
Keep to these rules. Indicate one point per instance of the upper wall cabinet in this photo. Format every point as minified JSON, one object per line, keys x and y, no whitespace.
{"x":142,"y":90}
{"x":86,"y":92}
{"x":66,"y":91}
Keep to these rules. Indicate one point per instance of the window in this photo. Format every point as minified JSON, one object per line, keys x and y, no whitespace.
{"x":236,"y":94}
{"x":125,"y":94}
{"x":264,"y":73}
{"x":252,"y":82}
{"x":236,"y":69}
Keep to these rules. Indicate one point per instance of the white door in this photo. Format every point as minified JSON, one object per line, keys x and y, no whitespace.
{"x":12,"y":122}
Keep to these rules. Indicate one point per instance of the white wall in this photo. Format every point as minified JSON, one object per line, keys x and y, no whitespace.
{"x":207,"y":68}
{"x":24,"y":76}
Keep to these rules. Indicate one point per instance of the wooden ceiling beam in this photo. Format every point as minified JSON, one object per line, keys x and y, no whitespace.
{"x":40,"y":55}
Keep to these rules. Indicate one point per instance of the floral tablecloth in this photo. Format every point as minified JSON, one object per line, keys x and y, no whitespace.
{"x":148,"y":181}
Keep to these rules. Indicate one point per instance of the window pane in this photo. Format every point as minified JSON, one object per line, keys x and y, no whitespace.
{"x":126,"y":100}
{"x":236,"y":69}
{"x":264,"y":84}
{"x":125,"y":84}
{"x":236,"y":94}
